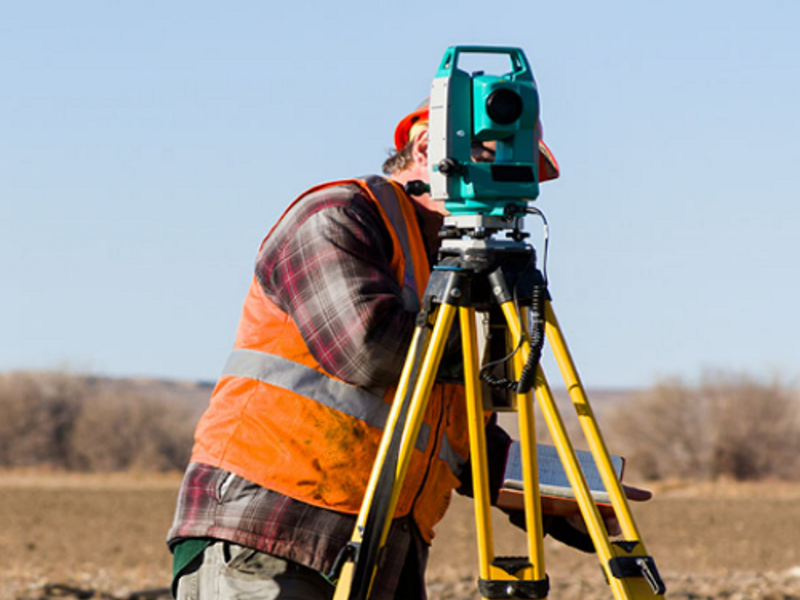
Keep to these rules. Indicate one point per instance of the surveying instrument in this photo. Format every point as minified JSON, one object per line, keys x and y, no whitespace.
{"x":485,"y":267}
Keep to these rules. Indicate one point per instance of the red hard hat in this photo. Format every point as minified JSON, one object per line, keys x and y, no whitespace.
{"x":548,"y":166}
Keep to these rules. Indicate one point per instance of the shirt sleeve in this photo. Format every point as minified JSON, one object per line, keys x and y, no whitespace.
{"x":497,"y":444}
{"x":332,"y":274}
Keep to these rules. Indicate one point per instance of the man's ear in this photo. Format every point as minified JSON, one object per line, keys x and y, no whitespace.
{"x":420,"y":149}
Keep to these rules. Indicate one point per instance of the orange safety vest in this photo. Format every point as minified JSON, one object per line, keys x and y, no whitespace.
{"x":277,"y":418}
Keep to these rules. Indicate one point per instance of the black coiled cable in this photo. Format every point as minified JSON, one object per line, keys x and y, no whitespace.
{"x":539,"y":296}
{"x":527,"y":375}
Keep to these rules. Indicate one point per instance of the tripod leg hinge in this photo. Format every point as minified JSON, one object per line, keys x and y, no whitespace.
{"x":638,"y":566}
{"x":505,"y":589}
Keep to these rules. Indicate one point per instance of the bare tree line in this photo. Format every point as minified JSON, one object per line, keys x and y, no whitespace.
{"x":78,"y":423}
{"x":728,"y":425}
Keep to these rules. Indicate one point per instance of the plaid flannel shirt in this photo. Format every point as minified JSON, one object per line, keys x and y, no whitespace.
{"x":327,"y":264}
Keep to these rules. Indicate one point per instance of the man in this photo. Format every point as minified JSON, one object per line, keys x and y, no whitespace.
{"x":284,"y":451}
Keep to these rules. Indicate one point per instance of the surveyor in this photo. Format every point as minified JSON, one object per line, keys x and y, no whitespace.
{"x":284,"y":451}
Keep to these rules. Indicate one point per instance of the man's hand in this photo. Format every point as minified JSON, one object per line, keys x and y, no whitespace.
{"x":575,"y":520}
{"x":571,"y":529}
{"x":612,"y":524}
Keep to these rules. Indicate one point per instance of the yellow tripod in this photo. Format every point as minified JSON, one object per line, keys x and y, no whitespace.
{"x":485,"y":275}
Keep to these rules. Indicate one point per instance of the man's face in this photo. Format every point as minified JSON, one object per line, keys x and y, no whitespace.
{"x":484,"y":152}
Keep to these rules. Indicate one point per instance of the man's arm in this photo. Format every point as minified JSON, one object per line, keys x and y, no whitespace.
{"x":332,"y":274}
{"x":497,"y":444}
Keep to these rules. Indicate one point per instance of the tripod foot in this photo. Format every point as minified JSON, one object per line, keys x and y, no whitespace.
{"x":638,"y":566}
{"x":516,"y":588}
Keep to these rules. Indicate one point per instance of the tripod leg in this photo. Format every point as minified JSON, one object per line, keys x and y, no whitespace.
{"x":477,"y":437}
{"x":588,"y":423}
{"x":559,"y":434}
{"x":530,"y":468}
{"x":502,"y":577}
{"x":394,"y":455}
{"x":630,"y":571}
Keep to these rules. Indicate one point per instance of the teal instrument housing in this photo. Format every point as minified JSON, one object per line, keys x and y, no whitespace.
{"x":468,"y":108}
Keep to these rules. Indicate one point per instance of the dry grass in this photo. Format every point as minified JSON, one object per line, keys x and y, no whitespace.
{"x":106,"y":533}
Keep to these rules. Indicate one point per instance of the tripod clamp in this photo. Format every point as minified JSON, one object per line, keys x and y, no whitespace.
{"x":637,"y":566}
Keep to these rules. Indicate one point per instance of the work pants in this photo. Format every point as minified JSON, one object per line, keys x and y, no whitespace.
{"x":227,"y":571}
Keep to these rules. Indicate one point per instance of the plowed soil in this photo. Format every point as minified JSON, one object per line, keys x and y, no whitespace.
{"x":94,"y":536}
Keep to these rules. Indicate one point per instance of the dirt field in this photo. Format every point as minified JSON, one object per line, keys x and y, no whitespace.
{"x":105,"y":535}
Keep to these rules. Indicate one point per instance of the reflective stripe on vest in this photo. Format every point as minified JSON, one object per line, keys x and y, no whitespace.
{"x":356,"y":402}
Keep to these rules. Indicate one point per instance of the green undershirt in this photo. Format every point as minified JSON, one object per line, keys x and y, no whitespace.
{"x":184,"y":553}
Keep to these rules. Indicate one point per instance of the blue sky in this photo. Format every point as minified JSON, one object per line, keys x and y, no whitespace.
{"x":147,"y":147}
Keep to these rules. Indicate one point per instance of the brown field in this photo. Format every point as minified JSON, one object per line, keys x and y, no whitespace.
{"x":104,"y":534}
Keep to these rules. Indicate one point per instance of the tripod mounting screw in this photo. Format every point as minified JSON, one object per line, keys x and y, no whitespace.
{"x":455,"y":293}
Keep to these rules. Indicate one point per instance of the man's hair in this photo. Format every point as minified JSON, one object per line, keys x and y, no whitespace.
{"x":399,"y":160}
